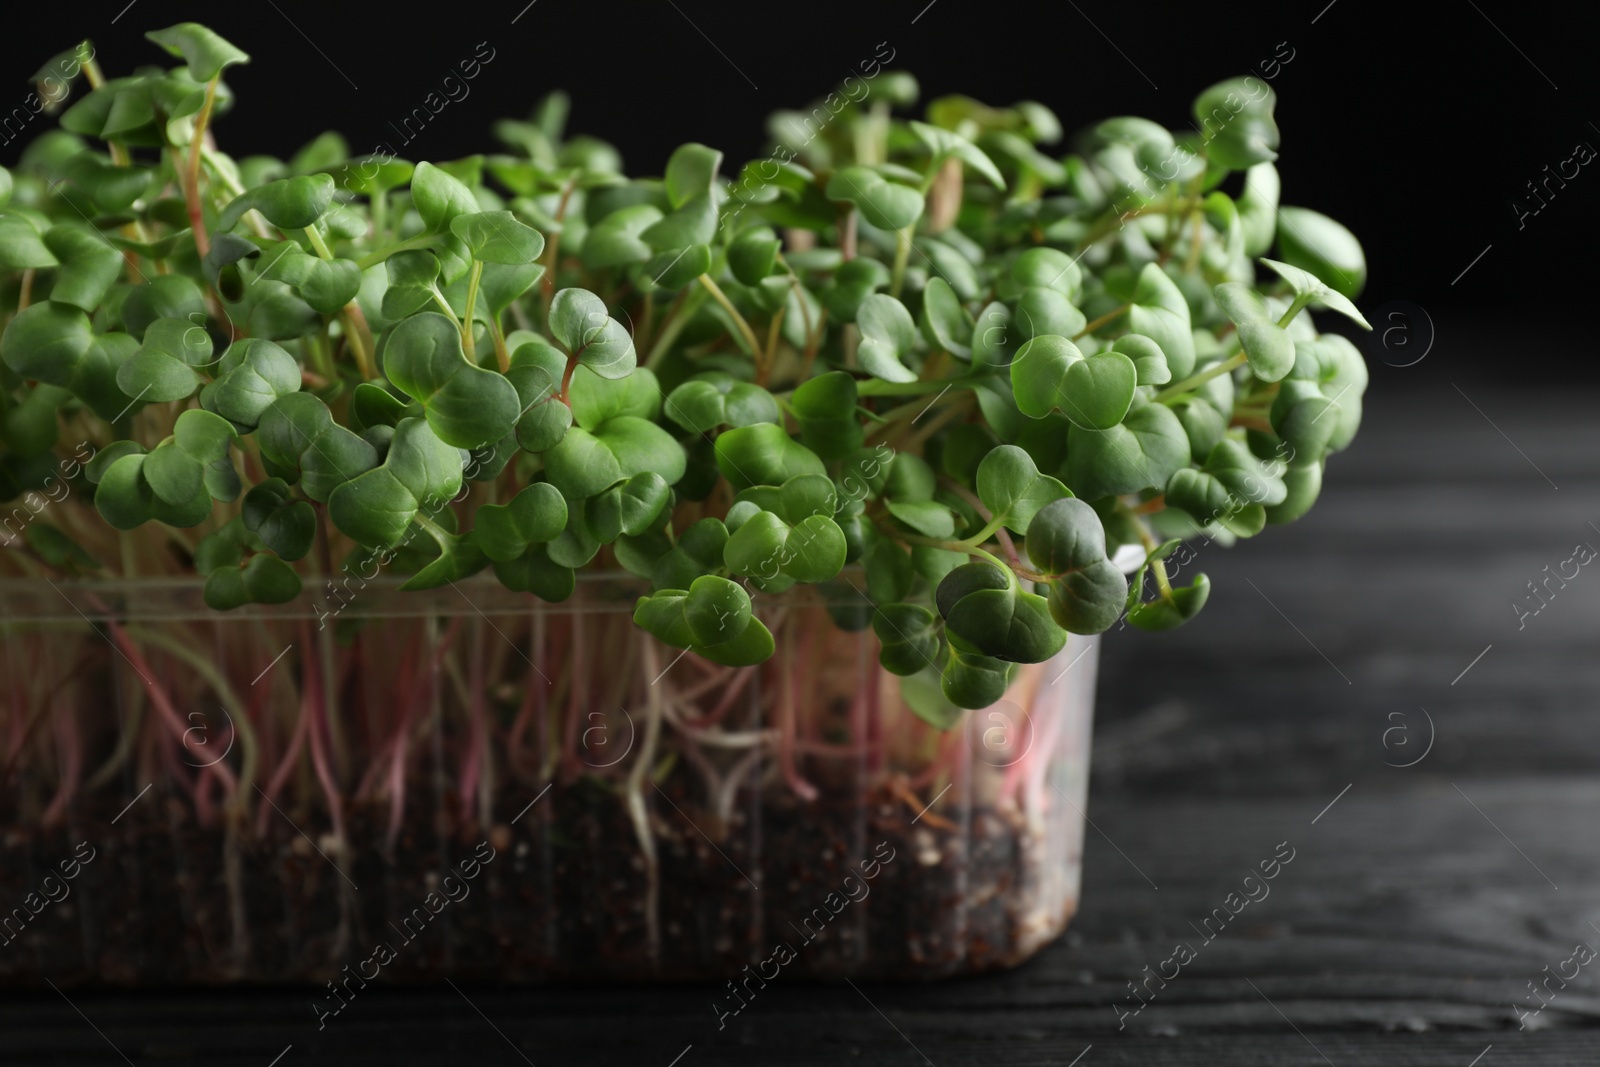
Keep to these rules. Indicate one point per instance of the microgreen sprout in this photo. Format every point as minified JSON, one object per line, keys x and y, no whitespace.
{"x":928,"y":359}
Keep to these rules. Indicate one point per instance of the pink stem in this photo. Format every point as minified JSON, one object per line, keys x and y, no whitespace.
{"x":786,"y":737}
{"x":718,"y":680}
{"x":402,"y":737}
{"x":570,"y":765}
{"x":941,"y":758}
{"x":158,"y":697}
{"x":1037,"y":762}
{"x":286,"y":764}
{"x":1024,"y":695}
{"x":833,"y":750}
{"x":205,"y":809}
{"x":378,"y":766}
{"x":874,"y":713}
{"x":397,"y":795}
{"x":68,"y":743}
{"x":319,"y":718}
{"x":476,"y":735}
{"x":858,"y":718}
{"x":535,"y":699}
{"x":804,"y":693}
{"x":730,"y":694}
{"x":17,"y":733}
{"x":534,"y":695}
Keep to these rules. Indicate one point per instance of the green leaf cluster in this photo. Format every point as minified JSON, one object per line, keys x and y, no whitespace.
{"x":934,"y":361}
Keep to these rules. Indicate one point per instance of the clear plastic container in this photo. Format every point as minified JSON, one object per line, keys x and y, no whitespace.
{"x":469,"y":782}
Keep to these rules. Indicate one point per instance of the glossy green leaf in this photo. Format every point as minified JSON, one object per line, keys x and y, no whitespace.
{"x":497,"y":237}
{"x":853,"y":282}
{"x":543,"y":420}
{"x":1040,"y":312}
{"x":265,"y":579}
{"x":458,"y":558}
{"x":754,"y":645}
{"x":1245,"y":476}
{"x":220,"y":264}
{"x":578,"y":319}
{"x":164,"y":296}
{"x":252,"y":374}
{"x":887,"y":334}
{"x":1160,"y":313}
{"x":29,"y":427}
{"x":1048,"y":268}
{"x":691,"y":172}
{"x":595,"y":399}
{"x":285,"y":525}
{"x":96,"y":468}
{"x":753,"y":254}
{"x":1066,"y":539}
{"x":630,"y":507}
{"x":439,"y":197}
{"x":1007,"y":624}
{"x":46,"y":341}
{"x":765,"y":547}
{"x":586,"y":463}
{"x":206,"y":52}
{"x":763,"y":454}
{"x":945,"y":323}
{"x":1202,"y":423}
{"x":1258,"y":208}
{"x":466,"y":405}
{"x":715,"y":399}
{"x":1011,"y":487}
{"x":1305,"y":419}
{"x":123,"y":497}
{"x":908,"y":636}
{"x":325,"y":284}
{"x":22,"y":246}
{"x":698,"y":551}
{"x":993,"y":339}
{"x":1302,"y":485}
{"x":973,"y":680}
{"x":373,"y":405}
{"x":676,"y":268}
{"x":1148,"y":360}
{"x":89,"y":265}
{"x":534,"y":572}
{"x":1309,"y":286}
{"x":428,"y":466}
{"x":1235,"y":122}
{"x":287,"y":203}
{"x":947,"y":144}
{"x":1317,"y":244}
{"x":1168,"y":613}
{"x":373,"y":508}
{"x":925,"y":517}
{"x":1050,"y":373}
{"x":614,"y":241}
{"x":1266,"y":344}
{"x":692,"y":223}
{"x":884,"y":204}
{"x":1141,"y":453}
{"x":825,"y":408}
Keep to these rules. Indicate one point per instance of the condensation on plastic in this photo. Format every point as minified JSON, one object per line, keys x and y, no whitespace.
{"x":466,"y":782}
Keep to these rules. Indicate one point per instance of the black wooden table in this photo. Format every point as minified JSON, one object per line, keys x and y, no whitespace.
{"x":1429,"y":912}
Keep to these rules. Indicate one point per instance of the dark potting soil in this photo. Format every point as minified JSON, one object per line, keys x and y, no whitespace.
{"x":864,"y":887}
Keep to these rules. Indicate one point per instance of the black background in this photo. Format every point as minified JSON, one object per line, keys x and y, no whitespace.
{"x":1416,"y":125}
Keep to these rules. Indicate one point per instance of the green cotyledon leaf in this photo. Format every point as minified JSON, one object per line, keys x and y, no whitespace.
{"x":466,"y":405}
